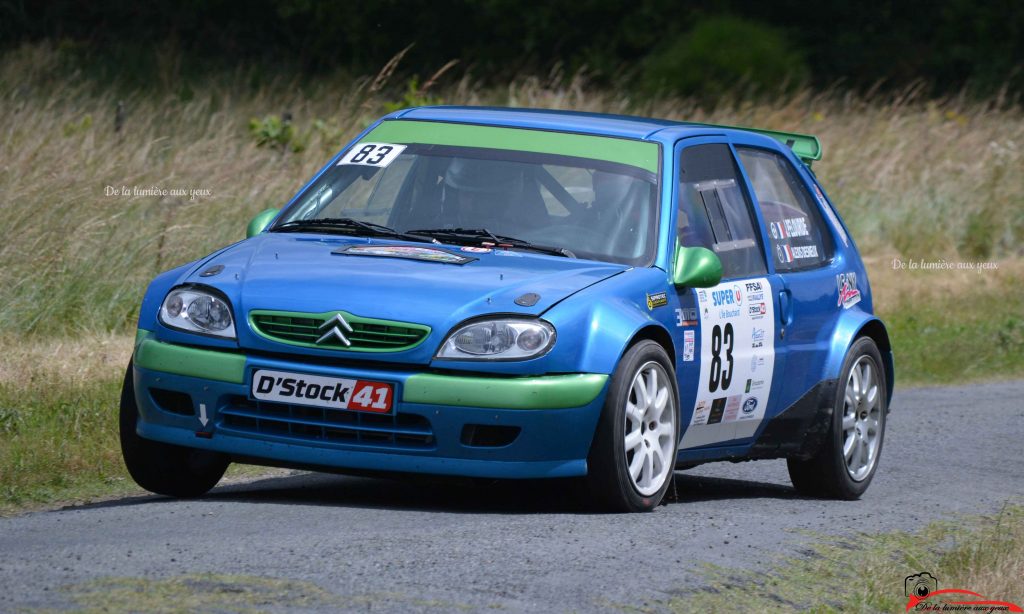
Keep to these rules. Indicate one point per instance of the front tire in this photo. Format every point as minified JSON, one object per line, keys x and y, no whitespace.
{"x":846,"y":463}
{"x":163,"y":468}
{"x":632,"y":458}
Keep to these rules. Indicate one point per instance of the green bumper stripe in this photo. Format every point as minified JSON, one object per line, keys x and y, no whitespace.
{"x":141,"y":335}
{"x":181,"y":360}
{"x":545,"y":392}
{"x":642,"y":154}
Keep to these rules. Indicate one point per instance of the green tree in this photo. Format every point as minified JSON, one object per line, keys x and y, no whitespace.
{"x":722,"y":54}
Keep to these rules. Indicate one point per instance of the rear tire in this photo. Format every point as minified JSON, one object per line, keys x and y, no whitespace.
{"x":163,"y":468}
{"x":846,"y":463}
{"x":632,"y":459}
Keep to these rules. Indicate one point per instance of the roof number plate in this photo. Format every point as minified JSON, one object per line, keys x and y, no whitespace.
{"x":372,"y":154}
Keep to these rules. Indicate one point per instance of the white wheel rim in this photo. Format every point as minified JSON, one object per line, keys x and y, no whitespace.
{"x":862,"y":419}
{"x":649,"y":439}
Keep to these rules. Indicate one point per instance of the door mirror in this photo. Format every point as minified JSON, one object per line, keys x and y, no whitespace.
{"x":696,"y":267}
{"x":260,"y":222}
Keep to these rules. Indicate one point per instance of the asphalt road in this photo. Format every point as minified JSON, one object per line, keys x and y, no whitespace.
{"x":383,"y":545}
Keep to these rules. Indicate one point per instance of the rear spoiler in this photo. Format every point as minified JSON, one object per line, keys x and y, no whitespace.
{"x":807,"y":147}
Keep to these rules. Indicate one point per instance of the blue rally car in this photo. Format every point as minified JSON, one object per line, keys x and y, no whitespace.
{"x":504,"y":293}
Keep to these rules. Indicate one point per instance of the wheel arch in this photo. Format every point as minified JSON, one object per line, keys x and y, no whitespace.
{"x":851,"y":328}
{"x":657,"y":334}
{"x":877,"y":332}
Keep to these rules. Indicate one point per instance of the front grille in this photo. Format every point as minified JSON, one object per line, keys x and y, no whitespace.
{"x":396,"y":430}
{"x":367,"y":334}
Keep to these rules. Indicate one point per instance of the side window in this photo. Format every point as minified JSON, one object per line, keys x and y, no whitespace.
{"x":714,"y":211}
{"x":793,"y":224}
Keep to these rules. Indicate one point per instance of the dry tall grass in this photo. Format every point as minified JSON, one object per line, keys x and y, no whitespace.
{"x":921,"y":178}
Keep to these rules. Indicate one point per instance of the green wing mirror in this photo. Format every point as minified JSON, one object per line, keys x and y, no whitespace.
{"x":696,"y":267}
{"x":260,"y":222}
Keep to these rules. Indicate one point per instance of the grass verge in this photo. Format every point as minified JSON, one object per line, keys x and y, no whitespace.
{"x":865,"y":573}
{"x":58,"y":419}
{"x":58,"y":422}
{"x":232,"y":593}
{"x":952,"y":326}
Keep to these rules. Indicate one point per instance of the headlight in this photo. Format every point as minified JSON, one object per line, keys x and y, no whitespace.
{"x":197,"y":311}
{"x":499,"y":339}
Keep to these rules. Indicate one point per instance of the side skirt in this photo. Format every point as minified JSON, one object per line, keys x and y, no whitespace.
{"x":800,"y":430}
{"x":797,"y":432}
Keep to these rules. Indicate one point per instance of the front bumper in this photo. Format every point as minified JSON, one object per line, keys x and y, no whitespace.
{"x":545,"y":423}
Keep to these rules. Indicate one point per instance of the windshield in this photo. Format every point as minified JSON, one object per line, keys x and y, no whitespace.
{"x":596,"y":208}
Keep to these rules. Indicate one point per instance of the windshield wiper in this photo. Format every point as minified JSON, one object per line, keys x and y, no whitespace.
{"x":347,"y":223}
{"x":482,"y":235}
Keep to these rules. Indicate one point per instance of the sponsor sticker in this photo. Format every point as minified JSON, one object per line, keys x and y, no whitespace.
{"x":330,"y":392}
{"x":658,"y":299}
{"x":732,"y":408}
{"x":753,"y":384}
{"x":700,"y":413}
{"x":686,"y":316}
{"x":727,"y":297}
{"x":372,"y":154}
{"x":408,"y":252}
{"x":757,"y":361}
{"x":729,"y":300}
{"x":717,"y":410}
{"x":849,"y":295}
{"x":475,"y":250}
{"x":749,"y":406}
{"x":689,"y":342}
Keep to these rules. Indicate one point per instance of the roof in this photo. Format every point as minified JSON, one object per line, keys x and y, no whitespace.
{"x":805,"y":146}
{"x":625,"y":126}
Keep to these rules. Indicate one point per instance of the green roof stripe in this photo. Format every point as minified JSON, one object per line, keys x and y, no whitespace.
{"x":641,"y":154}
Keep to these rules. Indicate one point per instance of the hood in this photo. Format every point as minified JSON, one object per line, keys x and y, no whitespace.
{"x":306,"y":273}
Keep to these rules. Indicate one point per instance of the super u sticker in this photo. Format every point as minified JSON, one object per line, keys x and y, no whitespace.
{"x":372,"y":154}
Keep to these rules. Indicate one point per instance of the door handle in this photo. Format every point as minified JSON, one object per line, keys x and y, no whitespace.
{"x":785,"y":310}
